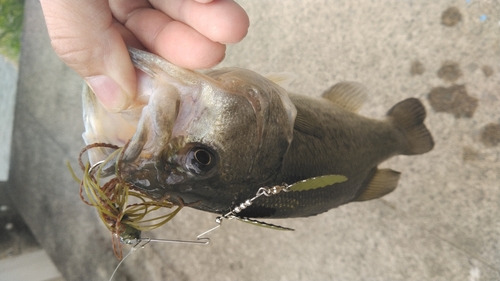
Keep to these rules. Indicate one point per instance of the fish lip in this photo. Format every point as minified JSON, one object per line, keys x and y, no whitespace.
{"x":130,"y":154}
{"x":148,"y":182}
{"x":143,"y":179}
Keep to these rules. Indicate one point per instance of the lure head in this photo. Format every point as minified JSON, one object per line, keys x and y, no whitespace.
{"x":130,"y":235}
{"x":210,"y":140}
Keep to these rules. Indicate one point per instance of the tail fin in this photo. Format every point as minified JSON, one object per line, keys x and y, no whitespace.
{"x":408,"y":116}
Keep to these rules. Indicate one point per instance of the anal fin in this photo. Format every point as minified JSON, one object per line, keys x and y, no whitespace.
{"x":383,"y":182}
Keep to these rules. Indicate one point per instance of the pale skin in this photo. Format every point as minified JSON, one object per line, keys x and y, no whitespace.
{"x":91,"y":37}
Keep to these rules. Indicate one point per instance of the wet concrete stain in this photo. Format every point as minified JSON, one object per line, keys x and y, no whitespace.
{"x":449,"y":71}
{"x":454,"y":100}
{"x":490,"y":135}
{"x":470,"y":154}
{"x":417,"y":68}
{"x":451,"y":16}
{"x":487,"y":70}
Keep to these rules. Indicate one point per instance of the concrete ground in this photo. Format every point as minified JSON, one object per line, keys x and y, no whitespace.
{"x":441,"y":223}
{"x":8,"y":74}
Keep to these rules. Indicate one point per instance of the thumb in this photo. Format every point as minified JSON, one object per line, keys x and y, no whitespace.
{"x":85,"y":36}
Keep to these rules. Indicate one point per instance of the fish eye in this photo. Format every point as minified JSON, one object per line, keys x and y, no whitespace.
{"x":200,"y":160}
{"x":203,"y":157}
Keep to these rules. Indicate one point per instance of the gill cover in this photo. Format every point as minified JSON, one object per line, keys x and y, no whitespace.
{"x":274,"y":113}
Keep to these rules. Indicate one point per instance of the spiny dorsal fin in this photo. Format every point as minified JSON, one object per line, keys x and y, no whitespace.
{"x":283,"y":78}
{"x":383,"y":182}
{"x":317,"y":182}
{"x":348,"y":95}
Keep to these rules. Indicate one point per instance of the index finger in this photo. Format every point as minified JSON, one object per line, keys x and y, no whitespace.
{"x":221,"y":21}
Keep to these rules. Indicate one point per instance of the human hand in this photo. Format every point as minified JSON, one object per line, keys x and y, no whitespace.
{"x":91,"y":37}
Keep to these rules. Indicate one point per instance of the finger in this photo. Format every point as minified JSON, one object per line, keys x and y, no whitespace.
{"x":127,"y":36}
{"x":86,"y":38}
{"x":221,"y":21}
{"x":173,"y":40}
{"x":123,"y":9}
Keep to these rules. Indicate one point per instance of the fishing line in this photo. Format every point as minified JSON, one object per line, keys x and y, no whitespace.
{"x":201,"y":239}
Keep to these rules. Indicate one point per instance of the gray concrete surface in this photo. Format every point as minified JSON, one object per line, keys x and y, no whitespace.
{"x":8,"y":89}
{"x":441,"y":223}
{"x":33,"y":266}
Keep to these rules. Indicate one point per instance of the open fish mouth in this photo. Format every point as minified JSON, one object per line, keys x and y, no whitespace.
{"x":160,"y":82}
{"x":154,"y":128}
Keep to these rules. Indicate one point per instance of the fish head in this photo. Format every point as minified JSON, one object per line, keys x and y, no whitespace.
{"x":209,"y":140}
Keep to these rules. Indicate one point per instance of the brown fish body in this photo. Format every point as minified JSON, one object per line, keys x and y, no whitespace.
{"x":212,"y":140}
{"x":338,"y":141}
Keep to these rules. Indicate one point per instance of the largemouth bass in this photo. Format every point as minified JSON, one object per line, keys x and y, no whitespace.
{"x":211,"y":140}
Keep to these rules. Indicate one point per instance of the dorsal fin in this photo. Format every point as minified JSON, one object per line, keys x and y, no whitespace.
{"x":348,"y":95}
{"x":383,"y":182}
{"x":283,"y":79}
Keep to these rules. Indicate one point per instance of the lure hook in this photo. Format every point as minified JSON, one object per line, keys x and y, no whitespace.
{"x":95,"y":166}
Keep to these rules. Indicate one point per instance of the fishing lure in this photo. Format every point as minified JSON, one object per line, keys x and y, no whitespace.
{"x":304,"y":185}
{"x":125,"y":212}
{"x":126,"y":219}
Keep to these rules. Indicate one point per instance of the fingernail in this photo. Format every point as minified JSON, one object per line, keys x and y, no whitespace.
{"x":109,"y":93}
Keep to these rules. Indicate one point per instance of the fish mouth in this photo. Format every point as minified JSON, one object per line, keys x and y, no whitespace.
{"x":137,"y":162}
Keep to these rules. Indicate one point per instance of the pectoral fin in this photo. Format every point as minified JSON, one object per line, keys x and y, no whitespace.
{"x":307,"y":123}
{"x":348,"y":95}
{"x":383,"y":182}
